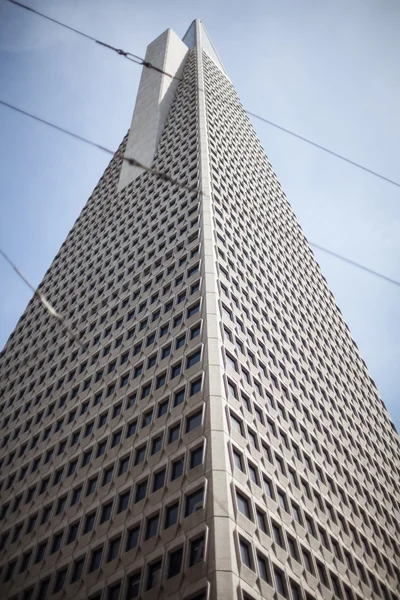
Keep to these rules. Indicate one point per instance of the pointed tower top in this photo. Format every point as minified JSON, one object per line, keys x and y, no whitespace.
{"x":197,"y":35}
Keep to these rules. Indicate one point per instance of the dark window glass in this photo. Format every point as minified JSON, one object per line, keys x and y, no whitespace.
{"x":123,"y":465}
{"x":195,"y":331}
{"x":89,"y":522}
{"x":195,"y":386}
{"x":113,"y":549}
{"x":56,"y":543}
{"x":60,"y":580}
{"x":77,"y":569}
{"x":194,"y":502}
{"x":175,"y":562}
{"x":245,"y":553}
{"x":193,"y":359}
{"x":141,"y":491}
{"x":132,"y":538}
{"x":193,"y":421}
{"x":196,"y":457}
{"x":158,"y":481}
{"x":106,"y":512}
{"x":133,"y":587}
{"x":177,"y":469}
{"x":173,"y":433}
{"x":95,"y":559}
{"x":123,"y":501}
{"x":152,"y":527}
{"x":107,"y":475}
{"x":140,"y":454}
{"x":156,"y":444}
{"x":131,"y":429}
{"x":73,"y":532}
{"x":154,"y":575}
{"x":196,"y":554}
{"x":162,"y":408}
{"x":171,"y":515}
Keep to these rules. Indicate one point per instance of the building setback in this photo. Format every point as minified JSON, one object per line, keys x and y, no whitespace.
{"x":212,"y":432}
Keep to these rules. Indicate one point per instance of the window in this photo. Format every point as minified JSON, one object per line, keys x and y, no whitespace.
{"x":41,"y":549}
{"x":179,"y":397}
{"x":133,"y":587}
{"x":106,"y":512}
{"x":263,"y":568}
{"x":151,"y":527}
{"x":161,"y":379}
{"x":269,"y":490}
{"x":140,"y":454}
{"x":173,"y":433}
{"x":196,"y":457}
{"x":107,"y":475}
{"x":293,"y":550}
{"x":101,"y":448}
{"x":177,"y":469}
{"x":193,"y":359}
{"x":195,"y":331}
{"x":76,"y":494}
{"x":277,"y":534}
{"x":194,"y":502}
{"x":123,"y":501}
{"x":162,"y":408}
{"x":195,"y":386}
{"x":147,"y":417}
{"x":56,"y":544}
{"x":192,"y":310}
{"x":114,"y":591}
{"x":73,"y":532}
{"x":243,"y":505}
{"x":245,"y":553}
{"x":91,"y":486}
{"x":132,"y":538}
{"x":282,"y":500}
{"x":261,"y":521}
{"x":141,"y":491}
{"x":60,"y":580}
{"x":238,"y":460}
{"x":153,"y":575}
{"x":89,"y":522}
{"x":175,"y":370}
{"x":131,"y":429}
{"x":180,"y":341}
{"x":196,"y":552}
{"x":280,"y":583}
{"x":156,"y":444}
{"x":113,"y":549}
{"x":175,"y":562}
{"x":77,"y":569}
{"x":193,"y":421}
{"x":254,"y":474}
{"x":95,"y":559}
{"x":307,"y":560}
{"x":158,"y":481}
{"x":236,"y":424}
{"x":166,"y":351}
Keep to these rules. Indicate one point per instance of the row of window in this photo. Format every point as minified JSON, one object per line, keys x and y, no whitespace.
{"x":130,"y":460}
{"x":309,"y":491}
{"x":145,"y":391}
{"x":135,"y":535}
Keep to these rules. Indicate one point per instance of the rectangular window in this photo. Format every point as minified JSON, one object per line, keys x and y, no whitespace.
{"x":194,"y":502}
{"x":175,"y":563}
{"x":95,"y":559}
{"x":245,"y":553}
{"x":132,"y":538}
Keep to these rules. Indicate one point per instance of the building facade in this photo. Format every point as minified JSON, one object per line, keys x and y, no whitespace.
{"x":212,"y":431}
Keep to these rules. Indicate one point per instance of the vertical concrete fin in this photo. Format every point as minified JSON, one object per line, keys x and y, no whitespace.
{"x":154,"y":99}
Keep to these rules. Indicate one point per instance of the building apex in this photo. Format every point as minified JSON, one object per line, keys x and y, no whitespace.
{"x":197,"y":35}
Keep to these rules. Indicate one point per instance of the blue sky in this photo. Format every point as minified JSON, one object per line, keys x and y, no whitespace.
{"x":329,"y":71}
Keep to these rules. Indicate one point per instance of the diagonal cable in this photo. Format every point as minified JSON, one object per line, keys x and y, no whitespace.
{"x":141,"y":61}
{"x":165,"y":177}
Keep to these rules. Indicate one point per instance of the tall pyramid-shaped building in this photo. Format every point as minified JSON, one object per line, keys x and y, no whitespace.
{"x":215,"y":434}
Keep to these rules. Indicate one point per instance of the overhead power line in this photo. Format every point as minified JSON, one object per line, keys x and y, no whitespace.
{"x":128,"y":55}
{"x":50,"y":309}
{"x":141,"y":61}
{"x":131,"y":161}
{"x":331,"y":152}
{"x":167,"y":178}
{"x":355,"y":264}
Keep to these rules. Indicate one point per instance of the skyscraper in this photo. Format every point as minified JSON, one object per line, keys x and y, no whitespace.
{"x":211,"y":432}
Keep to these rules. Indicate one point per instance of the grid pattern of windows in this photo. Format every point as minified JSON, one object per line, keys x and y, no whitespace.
{"x":307,"y":426}
{"x":105,"y":446}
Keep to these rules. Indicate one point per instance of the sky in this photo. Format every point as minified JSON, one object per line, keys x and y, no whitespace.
{"x":327,"y":70}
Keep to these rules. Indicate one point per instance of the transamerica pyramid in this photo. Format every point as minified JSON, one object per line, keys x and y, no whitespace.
{"x":215,"y":434}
